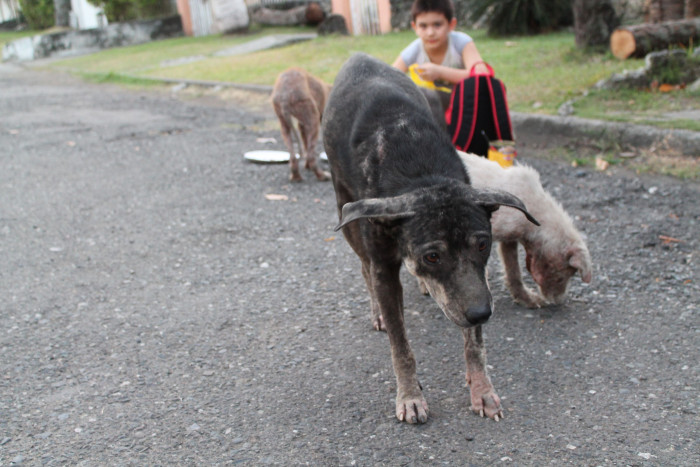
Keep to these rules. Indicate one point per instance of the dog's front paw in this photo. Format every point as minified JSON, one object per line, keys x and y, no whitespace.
{"x":484,"y":399}
{"x":412,"y":409}
{"x":323,"y":176}
{"x":488,"y":404}
{"x":528,"y":298}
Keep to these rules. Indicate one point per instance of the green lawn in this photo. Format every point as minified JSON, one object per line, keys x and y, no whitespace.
{"x":540,"y":72}
{"x":7,"y":36}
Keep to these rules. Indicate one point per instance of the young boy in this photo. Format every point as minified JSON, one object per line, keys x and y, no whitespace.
{"x":443,"y":55}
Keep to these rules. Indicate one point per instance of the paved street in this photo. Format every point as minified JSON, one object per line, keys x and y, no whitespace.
{"x":156,"y":308}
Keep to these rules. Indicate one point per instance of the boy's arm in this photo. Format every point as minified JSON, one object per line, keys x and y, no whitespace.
{"x":400,"y":64}
{"x":432,"y":72}
{"x":470,"y":56}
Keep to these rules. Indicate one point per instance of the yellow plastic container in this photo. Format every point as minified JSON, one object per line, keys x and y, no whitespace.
{"x":502,"y":152}
{"x":413,"y":73}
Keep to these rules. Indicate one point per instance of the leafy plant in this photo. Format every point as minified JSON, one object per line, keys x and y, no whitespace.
{"x":116,"y":10}
{"x":151,"y":8}
{"x":124,"y":10}
{"x":522,"y":17}
{"x":38,"y":13}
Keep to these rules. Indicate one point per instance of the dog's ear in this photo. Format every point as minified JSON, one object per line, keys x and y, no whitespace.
{"x":493,"y":199}
{"x":377,"y":208}
{"x":580,"y":259}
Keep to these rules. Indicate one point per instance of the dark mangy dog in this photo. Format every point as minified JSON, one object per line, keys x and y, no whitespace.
{"x":298,"y":94}
{"x":404,"y":197}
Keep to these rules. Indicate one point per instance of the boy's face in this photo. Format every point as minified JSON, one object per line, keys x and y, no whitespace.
{"x":432,"y":28}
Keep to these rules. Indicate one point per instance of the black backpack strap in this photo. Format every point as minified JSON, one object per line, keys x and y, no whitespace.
{"x":501,"y":116}
{"x":461,"y":115}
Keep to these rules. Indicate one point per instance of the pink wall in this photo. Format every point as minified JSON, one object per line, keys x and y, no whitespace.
{"x":342,"y":7}
{"x":183,"y":8}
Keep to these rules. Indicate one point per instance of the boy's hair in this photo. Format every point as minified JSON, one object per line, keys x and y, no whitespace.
{"x":438,"y":6}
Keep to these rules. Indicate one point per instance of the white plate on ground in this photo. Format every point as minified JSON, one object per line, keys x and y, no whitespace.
{"x":267,"y":156}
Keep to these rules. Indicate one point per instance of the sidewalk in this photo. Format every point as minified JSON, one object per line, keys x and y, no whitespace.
{"x":627,"y":135}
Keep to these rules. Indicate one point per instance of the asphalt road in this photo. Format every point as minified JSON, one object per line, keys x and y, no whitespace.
{"x":157,"y":309}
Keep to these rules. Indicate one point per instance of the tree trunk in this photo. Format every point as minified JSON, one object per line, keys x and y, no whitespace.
{"x":637,"y":41}
{"x":692,"y":8}
{"x":594,"y":20}
{"x":62,"y":12}
{"x":658,"y":11}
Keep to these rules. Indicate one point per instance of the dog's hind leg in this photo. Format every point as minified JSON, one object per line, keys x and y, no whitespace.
{"x":377,"y":321}
{"x":508,"y":252}
{"x":309,"y":128}
{"x":354,"y":238}
{"x":287,"y":129}
{"x":484,"y":399}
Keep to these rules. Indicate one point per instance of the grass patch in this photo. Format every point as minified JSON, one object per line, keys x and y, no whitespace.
{"x":540,"y":72}
{"x":322,"y":57}
{"x":9,"y":36}
{"x":115,"y":78}
{"x":684,"y":168}
{"x":641,"y":106}
{"x":588,"y":153}
{"x":144,"y":57}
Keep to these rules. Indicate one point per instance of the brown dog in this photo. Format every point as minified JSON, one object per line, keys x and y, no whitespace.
{"x":554,"y":252}
{"x":299,"y":95}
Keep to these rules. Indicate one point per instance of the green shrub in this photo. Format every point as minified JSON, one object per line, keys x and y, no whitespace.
{"x":125,"y":10}
{"x":150,"y":8}
{"x":522,"y":17}
{"x":39,"y":14}
{"x":116,"y":10}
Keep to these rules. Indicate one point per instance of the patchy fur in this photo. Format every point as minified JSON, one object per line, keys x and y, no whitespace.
{"x":404,"y":197}
{"x":554,"y":252}
{"x":298,"y":95}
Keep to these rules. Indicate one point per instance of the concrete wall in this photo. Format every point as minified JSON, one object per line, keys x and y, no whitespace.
{"x":9,"y":10}
{"x":69,"y":43}
{"x":84,"y":15}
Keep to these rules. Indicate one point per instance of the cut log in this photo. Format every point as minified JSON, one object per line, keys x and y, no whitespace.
{"x":637,"y":41}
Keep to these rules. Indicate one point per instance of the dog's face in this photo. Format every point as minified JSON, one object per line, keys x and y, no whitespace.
{"x":444,"y":237}
{"x":450,"y":259}
{"x":552,"y":268}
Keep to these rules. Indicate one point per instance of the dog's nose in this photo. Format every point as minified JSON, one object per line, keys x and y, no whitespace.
{"x":478,"y":314}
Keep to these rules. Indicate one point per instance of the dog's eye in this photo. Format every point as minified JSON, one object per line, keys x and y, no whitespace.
{"x":432,"y":258}
{"x":483,"y":244}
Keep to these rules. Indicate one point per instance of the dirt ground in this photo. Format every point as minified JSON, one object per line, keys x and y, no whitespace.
{"x":157,"y":308}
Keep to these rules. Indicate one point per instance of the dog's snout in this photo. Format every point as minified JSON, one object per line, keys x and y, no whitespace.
{"x":478,"y":314}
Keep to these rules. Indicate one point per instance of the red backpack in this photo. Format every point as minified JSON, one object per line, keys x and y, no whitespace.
{"x":478,"y":113}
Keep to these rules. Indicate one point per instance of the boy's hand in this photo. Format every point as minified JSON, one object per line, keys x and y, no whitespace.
{"x":481,"y":69}
{"x":429,"y":71}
